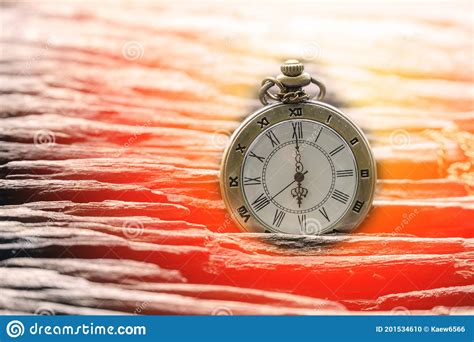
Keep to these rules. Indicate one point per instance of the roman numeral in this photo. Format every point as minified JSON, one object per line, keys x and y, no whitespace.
{"x":340,"y":196}
{"x":344,"y":173}
{"x":251,"y":154}
{"x":261,"y":202}
{"x":278,"y":218}
{"x":319,"y":133}
{"x":240,"y":148}
{"x":364,"y":173}
{"x":357,"y":206}
{"x":337,"y":149}
{"x":233,"y":181}
{"x":324,"y":213}
{"x":264,"y":122}
{"x":296,"y":112}
{"x":354,"y":141}
{"x":244,"y":213}
{"x":328,"y":119}
{"x":302,"y":222}
{"x":252,"y":181}
{"x":273,"y":139}
{"x":297,"y":130}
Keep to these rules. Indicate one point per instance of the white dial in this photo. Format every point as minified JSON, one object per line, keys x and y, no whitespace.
{"x":301,"y":168}
{"x":299,"y":177}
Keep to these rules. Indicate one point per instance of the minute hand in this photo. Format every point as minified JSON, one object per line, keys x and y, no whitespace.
{"x":286,"y":187}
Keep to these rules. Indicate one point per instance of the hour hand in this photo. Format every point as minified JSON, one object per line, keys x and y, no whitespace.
{"x":286,"y":187}
{"x":299,"y":192}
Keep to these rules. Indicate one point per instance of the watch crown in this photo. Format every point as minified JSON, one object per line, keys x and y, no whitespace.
{"x":292,"y":68}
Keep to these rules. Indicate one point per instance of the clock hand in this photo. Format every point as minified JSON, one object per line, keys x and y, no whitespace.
{"x":297,"y":147}
{"x":298,"y":164}
{"x":299,"y":192}
{"x":286,"y":187}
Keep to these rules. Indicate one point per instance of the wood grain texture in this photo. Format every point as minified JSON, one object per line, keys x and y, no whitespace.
{"x":113,"y":119}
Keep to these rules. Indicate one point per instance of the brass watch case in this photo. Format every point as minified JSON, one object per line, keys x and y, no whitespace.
{"x":319,"y":112}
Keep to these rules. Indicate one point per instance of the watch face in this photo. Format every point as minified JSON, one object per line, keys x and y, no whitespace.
{"x":298,"y":169}
{"x":296,"y":172}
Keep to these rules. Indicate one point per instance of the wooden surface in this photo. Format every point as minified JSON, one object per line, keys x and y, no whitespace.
{"x":114,"y":119}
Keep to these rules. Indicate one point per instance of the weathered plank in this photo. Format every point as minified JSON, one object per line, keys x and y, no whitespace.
{"x":113,"y":121}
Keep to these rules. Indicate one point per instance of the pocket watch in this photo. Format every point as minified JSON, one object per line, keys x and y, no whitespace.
{"x":297,"y":166}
